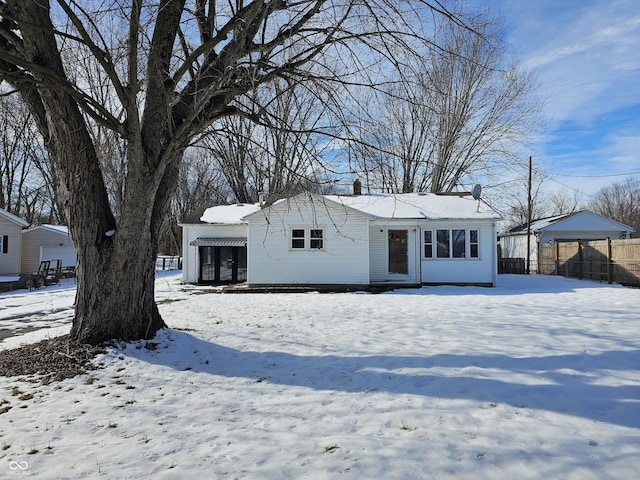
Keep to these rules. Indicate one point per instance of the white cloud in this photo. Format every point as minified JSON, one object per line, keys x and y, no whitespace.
{"x":585,"y":53}
{"x":587,"y":57}
{"x":625,"y":151}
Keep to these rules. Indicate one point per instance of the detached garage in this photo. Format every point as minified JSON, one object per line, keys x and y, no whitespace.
{"x":46,"y":242}
{"x":583,"y":225}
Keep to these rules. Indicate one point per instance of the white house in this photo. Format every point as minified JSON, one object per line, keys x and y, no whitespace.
{"x":46,"y":242}
{"x":583,"y":225}
{"x":10,"y":243}
{"x":352,"y":240}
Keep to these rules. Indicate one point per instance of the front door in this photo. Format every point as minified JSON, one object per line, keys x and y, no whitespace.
{"x":398,"y":252}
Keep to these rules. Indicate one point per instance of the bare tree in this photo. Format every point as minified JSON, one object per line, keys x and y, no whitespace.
{"x":620,"y":201}
{"x":234,"y":152}
{"x":564,"y":201}
{"x":25,"y":187}
{"x":394,"y":152}
{"x":200,"y":183}
{"x":465,"y":109}
{"x":180,"y":66}
{"x":518,"y":203}
{"x":15,"y":164}
{"x":280,"y":155}
{"x":545,"y":202}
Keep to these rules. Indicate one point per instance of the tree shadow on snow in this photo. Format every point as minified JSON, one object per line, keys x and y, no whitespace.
{"x":582,"y":385}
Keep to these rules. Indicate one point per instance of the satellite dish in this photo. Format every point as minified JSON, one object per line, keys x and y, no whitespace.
{"x":477,"y":191}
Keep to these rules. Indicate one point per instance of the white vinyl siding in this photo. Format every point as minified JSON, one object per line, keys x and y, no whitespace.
{"x":12,"y":245}
{"x":311,"y":240}
{"x":340,"y":256}
{"x":46,"y":243}
{"x":377,"y":252}
{"x":462,"y":269}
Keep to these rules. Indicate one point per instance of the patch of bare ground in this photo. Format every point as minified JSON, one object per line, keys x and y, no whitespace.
{"x":53,"y":359}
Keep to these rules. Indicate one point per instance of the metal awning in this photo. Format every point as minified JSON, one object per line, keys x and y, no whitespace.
{"x":219,"y":242}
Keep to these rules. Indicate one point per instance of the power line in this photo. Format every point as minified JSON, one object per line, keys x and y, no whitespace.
{"x":597,"y":176}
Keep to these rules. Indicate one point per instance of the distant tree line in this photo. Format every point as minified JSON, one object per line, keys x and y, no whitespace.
{"x":621,"y":202}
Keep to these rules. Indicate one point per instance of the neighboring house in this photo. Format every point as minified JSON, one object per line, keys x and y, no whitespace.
{"x":46,"y":242}
{"x":583,"y":225}
{"x":353,"y":240}
{"x":10,"y":242}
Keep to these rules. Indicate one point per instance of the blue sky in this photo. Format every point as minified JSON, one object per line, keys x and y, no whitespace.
{"x":586,"y":54}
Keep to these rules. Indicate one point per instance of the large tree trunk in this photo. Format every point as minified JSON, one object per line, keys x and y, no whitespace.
{"x":115,"y":260}
{"x":116,"y":294}
{"x":115,"y":297}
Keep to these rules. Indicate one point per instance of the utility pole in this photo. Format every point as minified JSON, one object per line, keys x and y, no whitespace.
{"x":529,"y":207}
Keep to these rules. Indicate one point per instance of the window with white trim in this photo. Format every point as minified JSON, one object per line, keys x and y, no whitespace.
{"x":297,"y":238}
{"x":316,"y":240}
{"x":451,"y":243}
{"x":428,"y":244}
{"x":474,"y":244}
{"x":4,"y":243}
{"x":307,"y":239}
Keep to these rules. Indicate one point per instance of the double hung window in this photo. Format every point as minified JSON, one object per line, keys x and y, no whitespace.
{"x":428,"y":244}
{"x":298,"y":238}
{"x":316,"y":240}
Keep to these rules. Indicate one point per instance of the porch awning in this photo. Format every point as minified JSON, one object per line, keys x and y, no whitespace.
{"x":219,"y":242}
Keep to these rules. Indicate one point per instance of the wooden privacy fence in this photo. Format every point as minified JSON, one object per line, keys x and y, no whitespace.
{"x":613,"y":261}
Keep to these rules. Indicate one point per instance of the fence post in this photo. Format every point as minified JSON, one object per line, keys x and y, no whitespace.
{"x":609,"y":266}
{"x":580,"y":266}
{"x":557,"y":260}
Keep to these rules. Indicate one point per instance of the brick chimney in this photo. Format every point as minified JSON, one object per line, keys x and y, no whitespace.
{"x":357,"y":187}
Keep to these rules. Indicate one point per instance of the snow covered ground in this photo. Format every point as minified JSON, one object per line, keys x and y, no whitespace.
{"x":537,"y":378}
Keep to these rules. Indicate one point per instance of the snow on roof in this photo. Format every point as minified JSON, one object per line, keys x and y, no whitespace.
{"x":13,"y":218}
{"x":61,"y":229}
{"x":588,"y":221}
{"x":535,"y":225}
{"x":229,"y":214}
{"x":430,"y":206}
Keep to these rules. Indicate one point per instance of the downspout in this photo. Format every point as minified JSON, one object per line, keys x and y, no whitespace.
{"x":494,"y":266}
{"x":418,"y":252}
